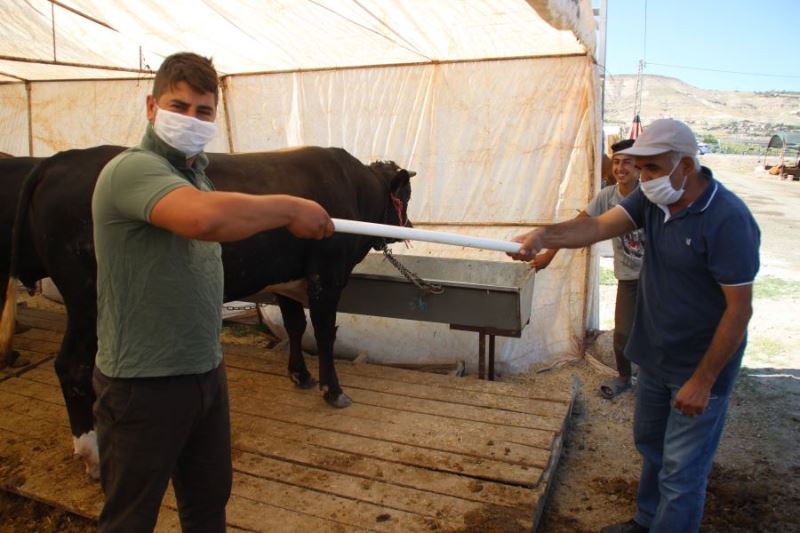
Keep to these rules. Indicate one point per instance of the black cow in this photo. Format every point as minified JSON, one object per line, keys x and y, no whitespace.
{"x":55,"y":215}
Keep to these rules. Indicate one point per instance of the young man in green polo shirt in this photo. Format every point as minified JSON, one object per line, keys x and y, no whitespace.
{"x":162,"y":402}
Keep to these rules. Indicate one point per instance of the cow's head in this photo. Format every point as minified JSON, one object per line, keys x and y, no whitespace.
{"x":398,"y":182}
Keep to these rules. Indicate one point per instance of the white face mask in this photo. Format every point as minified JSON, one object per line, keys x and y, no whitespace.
{"x":187,"y":134}
{"x":660,"y":191}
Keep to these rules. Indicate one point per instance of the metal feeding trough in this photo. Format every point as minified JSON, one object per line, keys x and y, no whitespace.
{"x":489,"y":297}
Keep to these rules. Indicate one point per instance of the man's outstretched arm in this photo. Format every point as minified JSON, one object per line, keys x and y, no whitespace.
{"x":574,"y":233}
{"x":231,"y":216}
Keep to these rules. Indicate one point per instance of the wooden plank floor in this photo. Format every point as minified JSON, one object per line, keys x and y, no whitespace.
{"x":415,"y":451}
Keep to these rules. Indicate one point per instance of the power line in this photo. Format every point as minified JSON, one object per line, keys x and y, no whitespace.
{"x":637,"y":99}
{"x":644,"y":38}
{"x":726,"y":71}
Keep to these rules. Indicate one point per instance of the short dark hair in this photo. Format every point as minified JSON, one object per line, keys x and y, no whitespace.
{"x":196,"y":70}
{"x":621,"y":145}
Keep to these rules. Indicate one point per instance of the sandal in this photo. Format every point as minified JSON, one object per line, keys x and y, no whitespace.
{"x":614,"y":387}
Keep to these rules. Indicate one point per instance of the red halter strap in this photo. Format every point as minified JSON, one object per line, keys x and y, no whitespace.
{"x":398,"y":207}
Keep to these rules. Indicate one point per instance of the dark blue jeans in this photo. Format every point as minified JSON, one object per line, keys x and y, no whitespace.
{"x":677,"y":453}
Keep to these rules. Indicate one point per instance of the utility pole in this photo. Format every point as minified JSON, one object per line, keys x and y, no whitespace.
{"x":601,"y":18}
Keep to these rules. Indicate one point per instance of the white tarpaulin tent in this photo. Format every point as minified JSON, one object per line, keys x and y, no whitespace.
{"x":493,"y":104}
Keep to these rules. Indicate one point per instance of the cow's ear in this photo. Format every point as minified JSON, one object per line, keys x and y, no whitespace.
{"x":401,"y":178}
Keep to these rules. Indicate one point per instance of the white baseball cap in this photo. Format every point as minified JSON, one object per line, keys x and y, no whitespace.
{"x":661,"y":136}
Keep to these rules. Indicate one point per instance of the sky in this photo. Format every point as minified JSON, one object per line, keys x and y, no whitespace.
{"x":759,"y":38}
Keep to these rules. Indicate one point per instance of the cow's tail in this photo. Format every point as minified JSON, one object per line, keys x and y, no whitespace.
{"x":9,"y":317}
{"x":7,"y":322}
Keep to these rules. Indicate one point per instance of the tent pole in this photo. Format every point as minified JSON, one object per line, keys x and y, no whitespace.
{"x":603,"y":27}
{"x":224,"y":83}
{"x":589,"y":260}
{"x":409,"y":64}
{"x":53,"y":22}
{"x":81,"y":14}
{"x":74,"y":64}
{"x":30,"y":117}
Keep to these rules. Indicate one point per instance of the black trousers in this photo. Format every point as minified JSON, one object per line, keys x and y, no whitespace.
{"x":624,"y":311}
{"x":151,"y":430}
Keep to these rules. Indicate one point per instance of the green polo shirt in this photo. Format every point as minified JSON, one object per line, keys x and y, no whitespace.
{"x":159,"y":295}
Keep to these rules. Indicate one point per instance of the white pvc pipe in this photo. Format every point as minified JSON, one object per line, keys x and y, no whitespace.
{"x":413,"y":234}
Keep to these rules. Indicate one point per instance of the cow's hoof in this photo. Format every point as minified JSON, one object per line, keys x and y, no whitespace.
{"x":93,"y":471}
{"x":13,"y":360}
{"x":339,"y":401}
{"x":302,"y":382}
{"x":85,"y":447}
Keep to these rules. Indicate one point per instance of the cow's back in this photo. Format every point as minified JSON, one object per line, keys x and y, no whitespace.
{"x":330,"y":176}
{"x":339,"y":182}
{"x":61,"y":208}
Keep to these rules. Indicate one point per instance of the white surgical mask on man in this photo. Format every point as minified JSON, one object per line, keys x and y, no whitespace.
{"x":184,"y":133}
{"x":660,"y":190}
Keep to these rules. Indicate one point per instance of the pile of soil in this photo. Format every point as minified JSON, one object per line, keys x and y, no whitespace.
{"x":753,"y":485}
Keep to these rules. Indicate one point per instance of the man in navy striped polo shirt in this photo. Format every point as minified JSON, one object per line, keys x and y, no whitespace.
{"x":692,"y":310}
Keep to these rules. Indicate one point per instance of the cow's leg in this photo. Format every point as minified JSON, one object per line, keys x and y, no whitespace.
{"x":323,"y":317}
{"x":74,"y":364}
{"x":294,"y":320}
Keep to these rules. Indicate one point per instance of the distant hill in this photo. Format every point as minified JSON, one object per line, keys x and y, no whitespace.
{"x":725,"y":114}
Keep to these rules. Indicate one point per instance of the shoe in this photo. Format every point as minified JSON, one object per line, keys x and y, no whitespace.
{"x":614,"y":387}
{"x":631,"y":526}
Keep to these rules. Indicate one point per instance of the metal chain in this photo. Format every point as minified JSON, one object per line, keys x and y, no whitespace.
{"x":424,"y":286}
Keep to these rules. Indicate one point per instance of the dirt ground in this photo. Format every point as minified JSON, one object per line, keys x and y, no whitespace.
{"x":753,"y":486}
